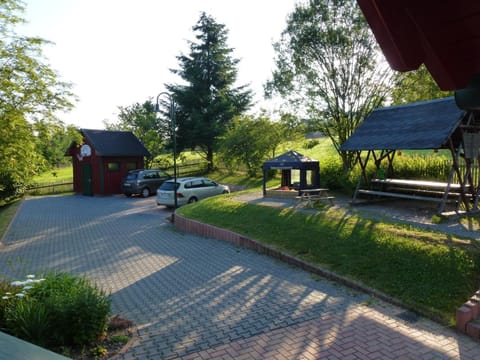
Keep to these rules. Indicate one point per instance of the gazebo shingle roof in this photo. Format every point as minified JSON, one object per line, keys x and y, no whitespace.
{"x":421,"y":125}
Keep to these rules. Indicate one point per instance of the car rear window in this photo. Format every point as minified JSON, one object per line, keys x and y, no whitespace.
{"x":208,"y":182}
{"x":168,"y":186}
{"x":150,"y":175}
{"x":197,"y":183}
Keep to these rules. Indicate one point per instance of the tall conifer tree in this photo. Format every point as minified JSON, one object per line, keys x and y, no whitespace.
{"x":209,"y":100}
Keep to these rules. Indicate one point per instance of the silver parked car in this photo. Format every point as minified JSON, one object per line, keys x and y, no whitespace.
{"x":189,"y":190}
{"x":143,"y":182}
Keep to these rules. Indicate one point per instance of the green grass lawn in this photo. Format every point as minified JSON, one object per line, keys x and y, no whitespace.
{"x":7,"y":212}
{"x":55,"y":181}
{"x":430,"y":272}
{"x":58,"y":175}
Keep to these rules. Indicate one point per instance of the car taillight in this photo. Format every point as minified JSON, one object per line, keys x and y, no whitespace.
{"x":180,"y":195}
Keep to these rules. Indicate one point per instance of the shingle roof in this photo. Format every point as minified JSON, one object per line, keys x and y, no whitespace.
{"x":421,"y":125}
{"x":115,"y":143}
{"x":289,"y":159}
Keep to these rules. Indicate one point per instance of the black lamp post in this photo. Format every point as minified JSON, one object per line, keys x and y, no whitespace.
{"x":174,"y":129}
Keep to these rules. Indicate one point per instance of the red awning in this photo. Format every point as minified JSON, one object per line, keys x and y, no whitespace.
{"x":442,"y":34}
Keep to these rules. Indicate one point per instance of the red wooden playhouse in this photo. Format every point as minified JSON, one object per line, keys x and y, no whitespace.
{"x":103,"y":158}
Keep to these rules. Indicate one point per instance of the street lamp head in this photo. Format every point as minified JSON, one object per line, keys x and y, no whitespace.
{"x":170,"y":98}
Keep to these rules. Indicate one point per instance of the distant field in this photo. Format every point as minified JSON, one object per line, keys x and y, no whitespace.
{"x":52,"y":182}
{"x":60,"y":175}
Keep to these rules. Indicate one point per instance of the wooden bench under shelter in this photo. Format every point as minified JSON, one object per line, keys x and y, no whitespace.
{"x":411,"y":189}
{"x":435,"y":124}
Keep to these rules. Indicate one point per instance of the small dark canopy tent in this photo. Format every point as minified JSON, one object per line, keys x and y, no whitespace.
{"x":434,"y":124}
{"x":292,"y":160}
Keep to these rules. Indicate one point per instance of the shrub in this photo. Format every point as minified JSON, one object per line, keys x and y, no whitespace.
{"x":334,"y":177}
{"x":10,"y":188}
{"x":162,"y":163}
{"x":310,"y":144}
{"x":422,"y":167}
{"x":30,"y":320}
{"x":62,"y":310}
{"x":7,"y":296}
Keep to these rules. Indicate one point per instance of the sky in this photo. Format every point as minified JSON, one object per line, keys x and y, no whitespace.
{"x":120,"y":52}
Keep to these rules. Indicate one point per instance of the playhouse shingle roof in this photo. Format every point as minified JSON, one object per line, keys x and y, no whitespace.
{"x":421,"y":125}
{"x":115,"y":143}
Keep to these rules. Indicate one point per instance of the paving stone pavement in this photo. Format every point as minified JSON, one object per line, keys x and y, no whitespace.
{"x":198,"y":298}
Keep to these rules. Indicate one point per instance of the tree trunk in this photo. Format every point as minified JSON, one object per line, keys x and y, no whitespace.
{"x":347,"y":160}
{"x":210,"y":165}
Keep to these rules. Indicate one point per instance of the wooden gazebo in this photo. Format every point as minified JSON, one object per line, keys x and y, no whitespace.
{"x":435,"y":124}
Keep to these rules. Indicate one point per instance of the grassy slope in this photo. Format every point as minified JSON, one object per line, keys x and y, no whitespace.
{"x":423,"y":269}
{"x":7,"y":212}
{"x":60,"y":175}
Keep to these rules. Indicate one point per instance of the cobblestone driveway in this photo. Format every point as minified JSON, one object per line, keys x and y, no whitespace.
{"x":197,"y":298}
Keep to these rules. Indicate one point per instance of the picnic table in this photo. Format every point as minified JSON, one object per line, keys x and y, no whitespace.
{"x":310,"y":197}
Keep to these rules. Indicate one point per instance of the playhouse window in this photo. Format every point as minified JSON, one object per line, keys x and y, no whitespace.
{"x":113,"y":166}
{"x":131,"y":165}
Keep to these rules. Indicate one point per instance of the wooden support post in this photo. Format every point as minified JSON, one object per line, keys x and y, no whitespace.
{"x":363,"y":165}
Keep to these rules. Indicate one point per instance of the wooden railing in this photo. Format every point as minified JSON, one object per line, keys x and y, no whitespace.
{"x":50,"y":188}
{"x":193,"y":168}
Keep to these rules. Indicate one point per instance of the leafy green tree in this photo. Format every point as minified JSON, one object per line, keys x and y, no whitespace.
{"x":293,"y":128}
{"x":250,"y":141}
{"x":328,"y":67}
{"x":52,"y":138}
{"x":141,"y":120}
{"x":208,"y":100}
{"x":28,"y":85}
{"x":18,"y":157}
{"x":415,"y":86}
{"x":29,"y":91}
